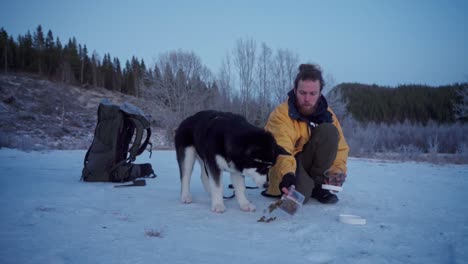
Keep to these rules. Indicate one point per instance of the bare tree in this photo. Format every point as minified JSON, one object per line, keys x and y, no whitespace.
{"x":330,"y":83}
{"x":179,"y":90}
{"x":226,"y":83}
{"x":188,"y":62}
{"x":264,"y":80}
{"x":337,"y":102}
{"x":285,"y":68}
{"x":244,"y":62}
{"x":334,"y":96}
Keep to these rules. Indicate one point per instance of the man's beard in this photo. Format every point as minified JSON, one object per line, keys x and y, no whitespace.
{"x":306,"y":110}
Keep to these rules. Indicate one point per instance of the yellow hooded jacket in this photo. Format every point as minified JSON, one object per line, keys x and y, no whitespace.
{"x":292,"y":134}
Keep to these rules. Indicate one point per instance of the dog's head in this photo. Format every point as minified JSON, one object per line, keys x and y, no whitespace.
{"x":259,"y":155}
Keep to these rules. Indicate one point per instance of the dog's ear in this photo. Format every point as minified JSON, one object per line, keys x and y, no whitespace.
{"x":281,"y":151}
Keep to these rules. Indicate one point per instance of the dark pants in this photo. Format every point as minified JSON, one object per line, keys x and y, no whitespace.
{"x":315,"y":158}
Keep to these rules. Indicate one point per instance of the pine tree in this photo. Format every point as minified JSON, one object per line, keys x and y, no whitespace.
{"x":84,"y":64}
{"x":135,"y":71}
{"x":12,"y":50}
{"x":157,"y":75}
{"x":156,"y":79}
{"x":95,"y":70}
{"x":107,"y":72}
{"x":25,"y":53}
{"x":129,"y":79}
{"x":4,"y":50}
{"x":39,"y":49}
{"x":50,"y":61}
{"x":72,"y":61}
{"x":117,"y":76}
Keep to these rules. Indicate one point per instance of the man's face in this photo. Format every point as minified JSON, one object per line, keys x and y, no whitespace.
{"x":307,"y":95}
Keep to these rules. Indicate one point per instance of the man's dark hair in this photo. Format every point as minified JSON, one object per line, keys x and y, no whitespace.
{"x":309,"y":72}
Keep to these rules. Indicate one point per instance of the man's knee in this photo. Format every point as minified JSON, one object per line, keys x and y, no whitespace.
{"x":326,"y":133}
{"x":324,"y":137}
{"x":320,"y":152}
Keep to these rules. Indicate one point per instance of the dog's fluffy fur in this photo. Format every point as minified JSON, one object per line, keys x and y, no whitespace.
{"x":220,"y":142}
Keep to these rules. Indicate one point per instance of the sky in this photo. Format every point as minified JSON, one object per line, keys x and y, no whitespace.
{"x":414,"y":212}
{"x":366,"y":41}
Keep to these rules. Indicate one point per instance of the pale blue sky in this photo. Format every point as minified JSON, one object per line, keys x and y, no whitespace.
{"x":387,"y":42}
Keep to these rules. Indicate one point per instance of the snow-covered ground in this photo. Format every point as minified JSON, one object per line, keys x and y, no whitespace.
{"x":415,"y":212}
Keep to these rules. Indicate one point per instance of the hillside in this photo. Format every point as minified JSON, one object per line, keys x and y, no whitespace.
{"x":37,"y":114}
{"x":414,"y":103}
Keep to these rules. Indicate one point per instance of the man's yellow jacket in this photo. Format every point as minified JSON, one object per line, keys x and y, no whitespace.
{"x":291,"y":134}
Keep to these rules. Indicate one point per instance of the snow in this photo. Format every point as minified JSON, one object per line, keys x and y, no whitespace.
{"x":415,"y":212}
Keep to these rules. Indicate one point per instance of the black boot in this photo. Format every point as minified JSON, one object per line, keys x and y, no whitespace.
{"x":324,"y":196}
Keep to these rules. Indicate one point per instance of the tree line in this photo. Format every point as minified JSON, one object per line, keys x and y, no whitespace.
{"x":70,"y":62}
{"x":414,"y":103}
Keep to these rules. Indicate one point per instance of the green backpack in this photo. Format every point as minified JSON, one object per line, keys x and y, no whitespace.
{"x":110,"y":157}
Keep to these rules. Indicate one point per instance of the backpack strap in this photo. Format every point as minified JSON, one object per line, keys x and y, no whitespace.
{"x":137,"y":148}
{"x":134,"y":183}
{"x":85,"y":173}
{"x":124,"y":171}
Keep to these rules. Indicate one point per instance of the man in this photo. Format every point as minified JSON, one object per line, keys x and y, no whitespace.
{"x":308,"y":130}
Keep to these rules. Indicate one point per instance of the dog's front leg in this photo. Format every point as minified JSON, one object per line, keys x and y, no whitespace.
{"x":186,"y":168}
{"x":238,"y":182}
{"x":216,"y":189}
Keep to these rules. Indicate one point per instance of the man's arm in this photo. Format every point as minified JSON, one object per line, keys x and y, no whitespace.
{"x":282,"y":128}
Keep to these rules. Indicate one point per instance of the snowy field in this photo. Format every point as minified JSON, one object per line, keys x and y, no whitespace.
{"x":415,"y":212}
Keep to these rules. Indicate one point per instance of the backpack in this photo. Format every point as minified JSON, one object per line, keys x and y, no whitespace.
{"x":110,"y":157}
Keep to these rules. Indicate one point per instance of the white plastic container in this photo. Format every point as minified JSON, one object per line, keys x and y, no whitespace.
{"x":352,"y":219}
{"x":332,"y":187}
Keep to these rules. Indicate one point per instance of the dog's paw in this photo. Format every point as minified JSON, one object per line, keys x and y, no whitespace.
{"x":218,"y":208}
{"x":247,"y":207}
{"x":187,"y":198}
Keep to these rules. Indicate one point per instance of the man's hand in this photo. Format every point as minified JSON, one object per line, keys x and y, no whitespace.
{"x":334,"y":177}
{"x":287,"y":181}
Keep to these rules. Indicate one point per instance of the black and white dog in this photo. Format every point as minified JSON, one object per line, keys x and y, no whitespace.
{"x":222,"y":141}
